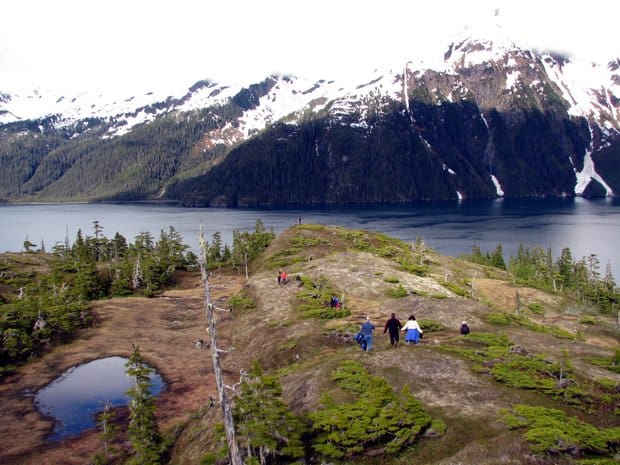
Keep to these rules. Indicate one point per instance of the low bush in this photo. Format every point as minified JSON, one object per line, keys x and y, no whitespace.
{"x":376,"y":420}
{"x":551,"y":431}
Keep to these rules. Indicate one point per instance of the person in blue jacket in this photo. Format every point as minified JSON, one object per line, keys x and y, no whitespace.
{"x":367,"y":329}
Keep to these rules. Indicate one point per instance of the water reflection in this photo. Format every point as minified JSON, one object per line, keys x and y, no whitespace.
{"x":74,"y":398}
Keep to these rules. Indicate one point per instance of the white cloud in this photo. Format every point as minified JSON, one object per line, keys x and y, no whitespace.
{"x":141,"y":44}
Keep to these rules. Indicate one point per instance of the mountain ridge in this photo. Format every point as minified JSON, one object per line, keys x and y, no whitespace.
{"x":509,"y":92}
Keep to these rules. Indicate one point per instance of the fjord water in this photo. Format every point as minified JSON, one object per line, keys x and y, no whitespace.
{"x":75,"y":397}
{"x":451,"y":228}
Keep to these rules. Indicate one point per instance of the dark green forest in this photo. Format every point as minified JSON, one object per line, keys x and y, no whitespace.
{"x":39,"y":309}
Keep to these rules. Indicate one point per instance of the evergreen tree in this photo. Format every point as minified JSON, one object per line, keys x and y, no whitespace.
{"x":497,"y":258}
{"x":119,"y":246}
{"x":215,"y":249}
{"x":564,"y":266}
{"x":109,"y":433}
{"x":143,"y":431}
{"x":28,"y":245}
{"x":267,"y":429}
{"x":98,"y":229}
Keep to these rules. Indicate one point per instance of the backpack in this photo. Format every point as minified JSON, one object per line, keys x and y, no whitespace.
{"x":361,"y":340}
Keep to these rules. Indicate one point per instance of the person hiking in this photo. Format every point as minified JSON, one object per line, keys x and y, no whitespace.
{"x":283,"y":278}
{"x":414,"y":332}
{"x":393,"y":326}
{"x":367,"y":329}
{"x":464,"y":328}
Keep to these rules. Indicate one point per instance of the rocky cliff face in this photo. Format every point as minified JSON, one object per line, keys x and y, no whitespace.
{"x":488,"y":120}
{"x":493,"y":122}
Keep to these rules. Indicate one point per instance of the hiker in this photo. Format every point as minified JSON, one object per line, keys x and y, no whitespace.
{"x":393,"y":326}
{"x":367,"y":329}
{"x":283,"y":278}
{"x":279,"y":277}
{"x":414,"y":332}
{"x":464,"y":328}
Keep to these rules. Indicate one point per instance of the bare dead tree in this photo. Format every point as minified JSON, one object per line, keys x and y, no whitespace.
{"x":229,"y":425}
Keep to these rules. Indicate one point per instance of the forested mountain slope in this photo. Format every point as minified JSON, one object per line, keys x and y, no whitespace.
{"x":489,"y":119}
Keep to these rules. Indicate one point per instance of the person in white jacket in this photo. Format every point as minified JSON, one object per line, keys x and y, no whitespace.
{"x":413,"y":329}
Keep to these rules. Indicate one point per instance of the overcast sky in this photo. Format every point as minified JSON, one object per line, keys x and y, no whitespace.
{"x":136,"y":44}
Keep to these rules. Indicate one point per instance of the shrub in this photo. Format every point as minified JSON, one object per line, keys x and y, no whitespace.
{"x":397,"y":292}
{"x":458,"y":290}
{"x":536,"y":308}
{"x":495,"y":318}
{"x":587,"y":320}
{"x":553,"y":431}
{"x":430,"y":326}
{"x":376,"y":419}
{"x":314,"y":300}
{"x":241,"y":301}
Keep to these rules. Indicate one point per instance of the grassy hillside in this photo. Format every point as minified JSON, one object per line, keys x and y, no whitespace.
{"x":535,"y":382}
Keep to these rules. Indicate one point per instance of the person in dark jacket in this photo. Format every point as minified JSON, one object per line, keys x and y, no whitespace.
{"x":464,"y":328}
{"x":393,"y":326}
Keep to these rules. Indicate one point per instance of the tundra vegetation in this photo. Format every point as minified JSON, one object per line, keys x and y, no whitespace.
{"x":536,"y":381}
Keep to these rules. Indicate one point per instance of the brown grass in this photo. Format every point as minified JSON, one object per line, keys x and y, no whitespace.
{"x":165,"y":328}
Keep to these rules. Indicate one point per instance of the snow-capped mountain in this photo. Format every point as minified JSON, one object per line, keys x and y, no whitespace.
{"x":487,"y":119}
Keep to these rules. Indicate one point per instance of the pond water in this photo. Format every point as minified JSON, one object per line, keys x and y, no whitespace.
{"x":74,"y":398}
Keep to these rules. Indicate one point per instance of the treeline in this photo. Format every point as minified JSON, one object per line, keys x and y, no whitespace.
{"x":48,"y":307}
{"x":536,"y":267}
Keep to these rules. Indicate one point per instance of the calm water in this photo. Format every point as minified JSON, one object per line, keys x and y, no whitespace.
{"x":74,"y":398}
{"x":586,"y":226}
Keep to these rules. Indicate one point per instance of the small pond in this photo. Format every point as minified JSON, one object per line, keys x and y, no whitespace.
{"x":75,"y":397}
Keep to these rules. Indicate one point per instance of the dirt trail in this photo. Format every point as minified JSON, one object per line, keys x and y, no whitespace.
{"x":166,"y":329}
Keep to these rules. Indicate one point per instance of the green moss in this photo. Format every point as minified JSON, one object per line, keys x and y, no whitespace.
{"x":391,"y":280}
{"x":439,"y":296}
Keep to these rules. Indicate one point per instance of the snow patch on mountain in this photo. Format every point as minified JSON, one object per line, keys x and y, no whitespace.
{"x":590,"y":89}
{"x":498,"y":187}
{"x":587,"y":174}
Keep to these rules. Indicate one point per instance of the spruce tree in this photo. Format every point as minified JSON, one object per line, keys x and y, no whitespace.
{"x":143,"y":431}
{"x":497,"y":258}
{"x":266,"y":427}
{"x":109,"y":434}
